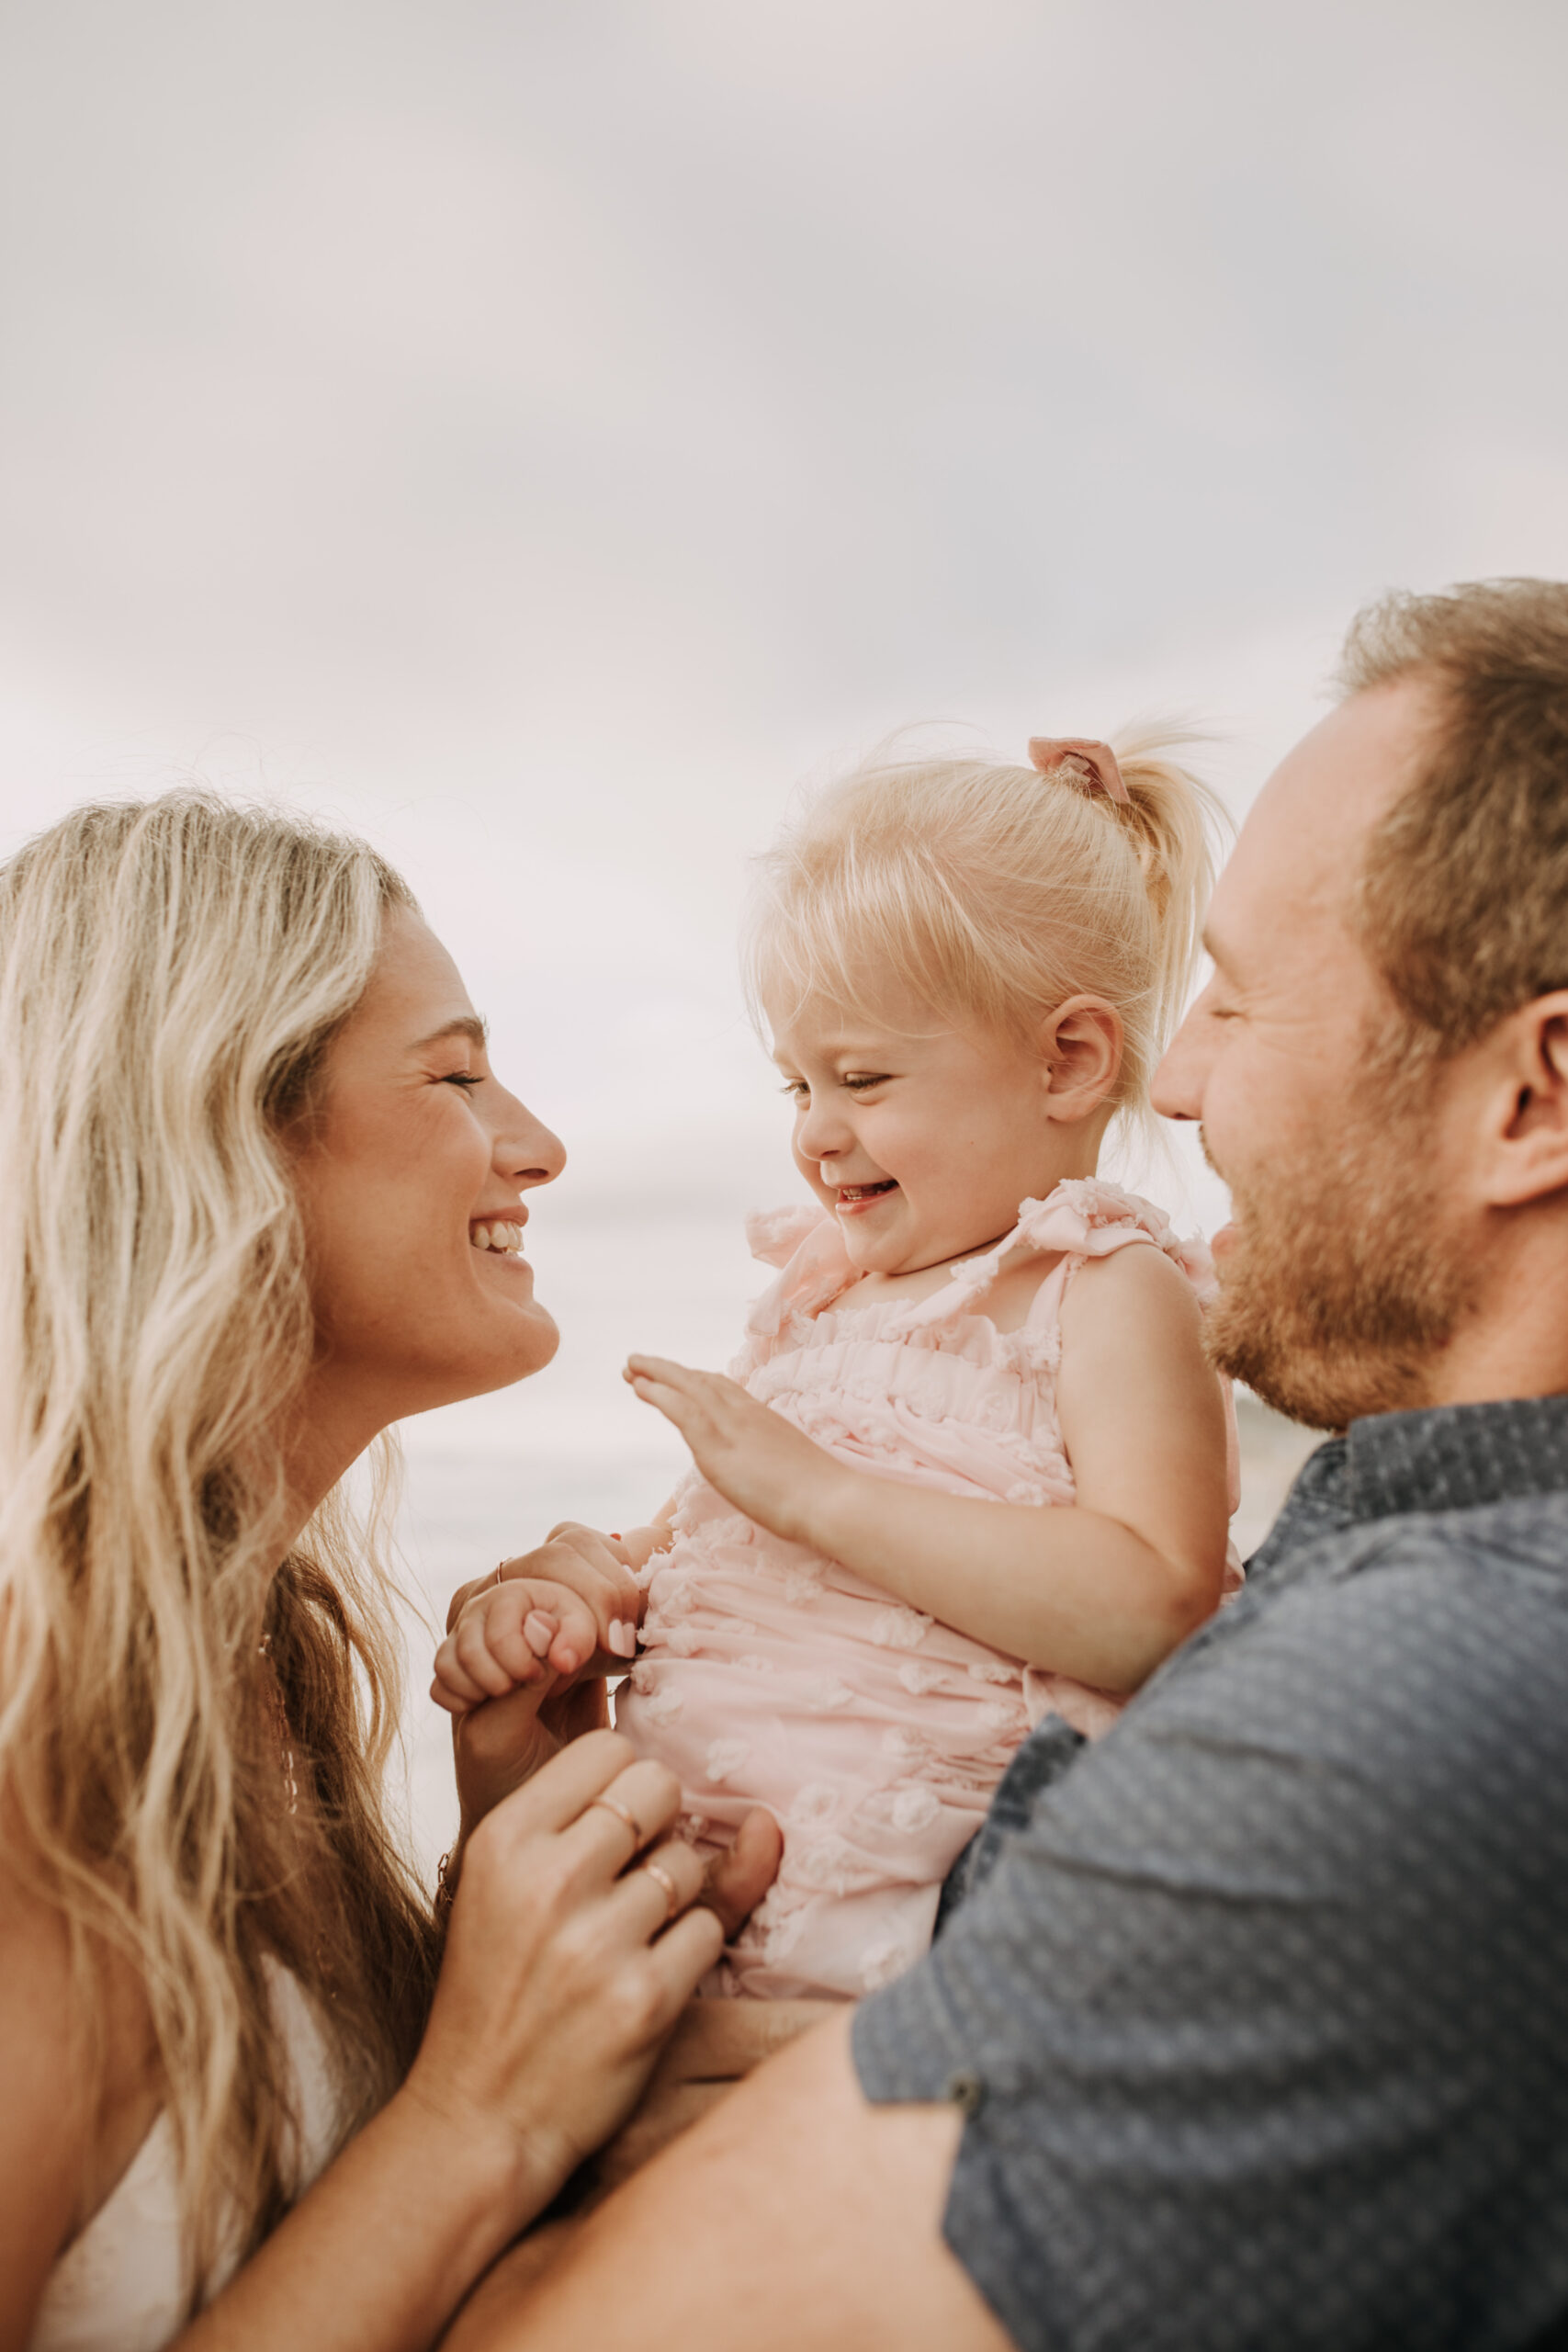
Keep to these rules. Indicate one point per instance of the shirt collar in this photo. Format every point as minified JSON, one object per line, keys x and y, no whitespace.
{"x":1456,"y":1457}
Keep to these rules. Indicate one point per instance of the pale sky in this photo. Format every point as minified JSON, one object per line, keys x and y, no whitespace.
{"x":543,"y":435}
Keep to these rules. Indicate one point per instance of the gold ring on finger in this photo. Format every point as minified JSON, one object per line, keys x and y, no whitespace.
{"x":671,"y":1892}
{"x":622,"y":1813}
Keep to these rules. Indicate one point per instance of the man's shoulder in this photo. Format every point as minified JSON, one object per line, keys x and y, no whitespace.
{"x":1416,"y":1660}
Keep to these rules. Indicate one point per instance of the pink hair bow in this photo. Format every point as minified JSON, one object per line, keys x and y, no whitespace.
{"x":1090,"y":764}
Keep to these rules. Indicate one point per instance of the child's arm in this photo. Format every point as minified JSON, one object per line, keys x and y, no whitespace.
{"x":1101,"y":1592}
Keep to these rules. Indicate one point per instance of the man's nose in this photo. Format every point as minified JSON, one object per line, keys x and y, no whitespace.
{"x":1176,"y":1090}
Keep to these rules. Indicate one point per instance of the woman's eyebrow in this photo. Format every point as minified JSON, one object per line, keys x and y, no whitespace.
{"x":467,"y":1024}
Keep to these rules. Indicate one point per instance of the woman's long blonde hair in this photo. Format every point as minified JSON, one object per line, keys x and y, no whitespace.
{"x":170,"y":976}
{"x":991,"y":893}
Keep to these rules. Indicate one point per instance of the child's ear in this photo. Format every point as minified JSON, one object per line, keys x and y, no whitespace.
{"x":1082,"y":1045}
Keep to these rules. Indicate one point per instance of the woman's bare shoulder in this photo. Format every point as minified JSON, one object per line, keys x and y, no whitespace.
{"x":64,"y":2115}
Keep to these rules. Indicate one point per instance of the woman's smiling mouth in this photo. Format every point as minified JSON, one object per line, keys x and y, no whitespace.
{"x":499,"y":1235}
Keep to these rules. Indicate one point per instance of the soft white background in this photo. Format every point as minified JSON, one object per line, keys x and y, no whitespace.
{"x":543,"y":435}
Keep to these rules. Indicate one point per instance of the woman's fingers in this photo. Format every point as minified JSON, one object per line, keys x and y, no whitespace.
{"x":560,"y":1796}
{"x":621,"y":1821}
{"x":658,"y":1886}
{"x":682,"y":1957}
{"x":576,"y":1938}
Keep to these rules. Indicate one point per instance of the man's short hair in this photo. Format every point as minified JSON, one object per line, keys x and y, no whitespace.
{"x":1465,"y":890}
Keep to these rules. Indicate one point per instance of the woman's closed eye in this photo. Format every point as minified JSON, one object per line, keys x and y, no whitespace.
{"x":464,"y":1078}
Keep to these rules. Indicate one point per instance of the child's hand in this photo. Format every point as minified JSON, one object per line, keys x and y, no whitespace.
{"x":570,"y":1606}
{"x":755,"y":1458}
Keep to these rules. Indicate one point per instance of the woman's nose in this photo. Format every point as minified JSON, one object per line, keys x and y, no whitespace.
{"x":526,"y":1153}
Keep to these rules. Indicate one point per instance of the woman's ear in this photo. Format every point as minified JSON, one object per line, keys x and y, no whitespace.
{"x":1080,"y":1047}
{"x":1526,"y":1149}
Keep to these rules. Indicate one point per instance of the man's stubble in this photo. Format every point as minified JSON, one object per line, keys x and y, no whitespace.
{"x":1345,"y":1278}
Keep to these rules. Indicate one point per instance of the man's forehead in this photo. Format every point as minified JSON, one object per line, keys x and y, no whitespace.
{"x":1301,"y":848}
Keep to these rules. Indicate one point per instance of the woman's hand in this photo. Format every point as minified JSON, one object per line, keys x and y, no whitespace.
{"x":754,"y":1457}
{"x":521,"y":1670}
{"x":577,"y":1936}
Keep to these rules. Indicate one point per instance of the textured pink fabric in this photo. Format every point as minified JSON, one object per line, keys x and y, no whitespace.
{"x":770,"y":1676}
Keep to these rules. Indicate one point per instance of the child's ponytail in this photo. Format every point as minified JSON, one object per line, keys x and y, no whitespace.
{"x":1174,"y":820}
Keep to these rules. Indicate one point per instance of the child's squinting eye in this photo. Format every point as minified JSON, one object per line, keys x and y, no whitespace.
{"x":858,"y":1080}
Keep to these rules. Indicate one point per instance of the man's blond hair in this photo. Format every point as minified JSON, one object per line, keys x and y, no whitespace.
{"x":1464,"y":891}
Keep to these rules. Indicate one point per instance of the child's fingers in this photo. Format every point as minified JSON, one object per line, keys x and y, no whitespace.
{"x":444,"y":1696}
{"x":454,"y":1688}
{"x":669,"y":1374}
{"x":556,"y":1624}
{"x":474,"y":1646}
{"x":668,"y":1401}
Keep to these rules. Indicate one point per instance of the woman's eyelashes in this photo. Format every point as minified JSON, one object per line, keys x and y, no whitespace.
{"x":463,"y":1078}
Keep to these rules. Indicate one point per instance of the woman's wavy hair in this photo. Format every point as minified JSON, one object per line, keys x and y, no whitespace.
{"x":992,"y":893}
{"x":171,"y":976}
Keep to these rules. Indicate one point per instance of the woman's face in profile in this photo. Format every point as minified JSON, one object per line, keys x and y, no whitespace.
{"x":412,"y":1184}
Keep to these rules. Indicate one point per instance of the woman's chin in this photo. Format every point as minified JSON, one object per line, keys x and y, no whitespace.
{"x":529,"y":1343}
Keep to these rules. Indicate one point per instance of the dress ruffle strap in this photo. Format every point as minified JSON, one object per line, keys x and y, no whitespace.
{"x":1083,"y":1217}
{"x":805,"y":1243}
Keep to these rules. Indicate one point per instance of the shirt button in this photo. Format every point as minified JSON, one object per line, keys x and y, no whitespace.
{"x":967,"y":2092}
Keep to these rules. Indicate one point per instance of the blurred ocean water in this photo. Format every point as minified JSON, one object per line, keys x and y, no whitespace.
{"x":490,"y":1477}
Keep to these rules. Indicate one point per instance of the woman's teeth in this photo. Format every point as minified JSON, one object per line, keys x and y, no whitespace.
{"x":498,"y":1236}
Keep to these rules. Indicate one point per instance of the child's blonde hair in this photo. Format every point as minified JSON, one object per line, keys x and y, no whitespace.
{"x":992,"y":893}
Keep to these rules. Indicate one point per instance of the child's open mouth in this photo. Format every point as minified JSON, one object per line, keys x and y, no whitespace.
{"x":863,"y":1197}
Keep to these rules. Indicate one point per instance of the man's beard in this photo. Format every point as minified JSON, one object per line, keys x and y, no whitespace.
{"x":1343,"y":1282}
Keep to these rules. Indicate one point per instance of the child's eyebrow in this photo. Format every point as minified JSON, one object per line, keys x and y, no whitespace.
{"x":839,"y":1049}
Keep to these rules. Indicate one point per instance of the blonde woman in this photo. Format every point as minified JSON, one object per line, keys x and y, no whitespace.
{"x":260,"y":1197}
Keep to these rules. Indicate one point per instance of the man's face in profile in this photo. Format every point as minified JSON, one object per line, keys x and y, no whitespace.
{"x":1344,"y":1269}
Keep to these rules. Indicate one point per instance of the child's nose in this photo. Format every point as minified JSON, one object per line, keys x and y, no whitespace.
{"x":821,"y":1133}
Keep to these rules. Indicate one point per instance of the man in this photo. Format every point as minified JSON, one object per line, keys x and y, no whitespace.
{"x":1252,"y":2027}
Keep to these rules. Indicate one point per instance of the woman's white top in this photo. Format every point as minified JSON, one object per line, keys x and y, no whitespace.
{"x":120,"y":2286}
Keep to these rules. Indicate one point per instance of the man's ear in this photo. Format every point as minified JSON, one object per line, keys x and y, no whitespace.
{"x":1527,"y":1146}
{"x":1080,"y":1047}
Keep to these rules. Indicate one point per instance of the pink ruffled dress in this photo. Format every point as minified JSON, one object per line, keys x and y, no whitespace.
{"x":771,"y":1676}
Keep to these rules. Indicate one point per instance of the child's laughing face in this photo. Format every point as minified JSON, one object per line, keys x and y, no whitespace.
{"x":923,"y":1137}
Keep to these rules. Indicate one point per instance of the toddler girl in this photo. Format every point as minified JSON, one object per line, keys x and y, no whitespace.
{"x":972,"y":1464}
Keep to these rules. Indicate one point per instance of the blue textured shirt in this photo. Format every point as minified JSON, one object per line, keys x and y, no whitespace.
{"x":1258,"y":2008}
